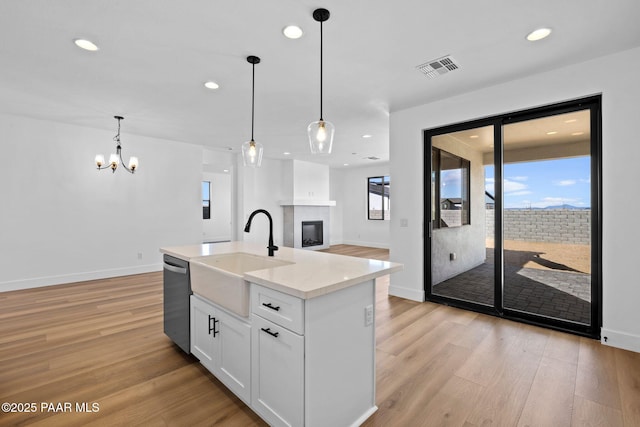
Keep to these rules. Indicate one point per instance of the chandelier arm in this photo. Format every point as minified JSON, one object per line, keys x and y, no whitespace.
{"x":124,"y":165}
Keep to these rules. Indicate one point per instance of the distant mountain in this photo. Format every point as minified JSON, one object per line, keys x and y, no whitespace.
{"x":564,"y":206}
{"x":556,"y":207}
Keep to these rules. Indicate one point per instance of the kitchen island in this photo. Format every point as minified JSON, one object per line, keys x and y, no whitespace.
{"x":300,"y":351}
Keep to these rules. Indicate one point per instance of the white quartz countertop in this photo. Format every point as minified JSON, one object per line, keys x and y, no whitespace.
{"x":312,"y":273}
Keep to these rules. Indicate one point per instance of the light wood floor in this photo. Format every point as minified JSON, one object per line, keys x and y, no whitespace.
{"x":102,"y":342}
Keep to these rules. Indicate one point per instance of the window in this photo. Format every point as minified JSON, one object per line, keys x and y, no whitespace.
{"x":206,"y":200}
{"x":450,"y":188}
{"x":378,"y":202}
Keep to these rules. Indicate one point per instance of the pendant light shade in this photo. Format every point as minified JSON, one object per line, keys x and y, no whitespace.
{"x":320,"y":136}
{"x":252,"y":153}
{"x":252,"y":150}
{"x":321,"y":132}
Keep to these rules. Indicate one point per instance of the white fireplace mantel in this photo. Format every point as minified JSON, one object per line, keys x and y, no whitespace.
{"x":307,"y":202}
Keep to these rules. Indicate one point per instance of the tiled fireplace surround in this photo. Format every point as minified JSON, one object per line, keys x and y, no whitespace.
{"x":294,"y":215}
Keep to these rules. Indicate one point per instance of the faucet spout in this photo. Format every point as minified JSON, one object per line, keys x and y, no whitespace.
{"x":272,"y":248}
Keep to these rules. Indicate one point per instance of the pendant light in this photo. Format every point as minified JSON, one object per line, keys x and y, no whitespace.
{"x":321,"y":132}
{"x":251,"y":150}
{"x":116,"y":158}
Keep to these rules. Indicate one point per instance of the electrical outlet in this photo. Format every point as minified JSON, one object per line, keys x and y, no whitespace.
{"x":368,"y":315}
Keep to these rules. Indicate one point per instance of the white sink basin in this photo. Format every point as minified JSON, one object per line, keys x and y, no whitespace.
{"x":219,"y":278}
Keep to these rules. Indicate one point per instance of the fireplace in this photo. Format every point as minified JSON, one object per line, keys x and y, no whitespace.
{"x":307,"y":226}
{"x":312,"y":233}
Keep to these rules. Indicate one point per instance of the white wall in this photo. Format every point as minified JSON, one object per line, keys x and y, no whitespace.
{"x":620,"y":94}
{"x":349,"y":188}
{"x":62,"y":221}
{"x":336,"y":213}
{"x":218,"y":227}
{"x":261,"y":188}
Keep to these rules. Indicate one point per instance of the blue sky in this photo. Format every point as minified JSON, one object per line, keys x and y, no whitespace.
{"x":545,"y":183}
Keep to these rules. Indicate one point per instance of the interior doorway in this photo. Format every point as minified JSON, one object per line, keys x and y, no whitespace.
{"x":514,"y":228}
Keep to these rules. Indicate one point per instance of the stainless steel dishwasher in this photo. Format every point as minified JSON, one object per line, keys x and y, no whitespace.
{"x":177,"y":289}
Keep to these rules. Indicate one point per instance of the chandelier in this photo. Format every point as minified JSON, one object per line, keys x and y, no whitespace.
{"x":116,"y":158}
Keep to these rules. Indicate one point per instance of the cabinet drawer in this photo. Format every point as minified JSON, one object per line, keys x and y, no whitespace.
{"x":282,"y":309}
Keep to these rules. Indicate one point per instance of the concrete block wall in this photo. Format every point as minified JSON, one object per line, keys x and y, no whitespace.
{"x":569,"y":226}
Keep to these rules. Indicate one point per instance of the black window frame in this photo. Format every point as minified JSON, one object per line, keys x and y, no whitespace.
{"x":385,"y":180}
{"x":436,"y":214}
{"x":206,"y":203}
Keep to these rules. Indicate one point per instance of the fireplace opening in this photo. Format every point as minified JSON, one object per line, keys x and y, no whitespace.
{"x":311,"y":233}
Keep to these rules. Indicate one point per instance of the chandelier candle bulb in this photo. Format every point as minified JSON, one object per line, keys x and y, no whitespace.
{"x":113,"y":161}
{"x":133,"y":163}
{"x":99,"y":160}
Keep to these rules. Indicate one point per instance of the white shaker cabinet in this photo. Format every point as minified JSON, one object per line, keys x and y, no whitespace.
{"x":222,"y":343}
{"x":313,"y":360}
{"x":278,"y":375}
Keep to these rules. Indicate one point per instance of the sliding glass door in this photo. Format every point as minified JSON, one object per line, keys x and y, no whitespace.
{"x":514,"y":226}
{"x":547,"y":216}
{"x":462,"y":201}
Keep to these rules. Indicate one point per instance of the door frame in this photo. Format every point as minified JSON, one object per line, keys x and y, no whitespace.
{"x":592,"y":103}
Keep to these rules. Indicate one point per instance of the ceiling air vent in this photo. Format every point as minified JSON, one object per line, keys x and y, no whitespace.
{"x":438,"y":66}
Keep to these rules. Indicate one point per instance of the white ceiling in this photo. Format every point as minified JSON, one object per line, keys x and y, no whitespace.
{"x":155,"y":55}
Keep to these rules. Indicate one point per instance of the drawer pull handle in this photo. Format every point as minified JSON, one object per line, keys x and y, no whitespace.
{"x":268,"y":305}
{"x":273,"y":334}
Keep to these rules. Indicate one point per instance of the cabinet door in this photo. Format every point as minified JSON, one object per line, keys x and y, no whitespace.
{"x":202,"y":327}
{"x":277,"y":373}
{"x":233,"y":355}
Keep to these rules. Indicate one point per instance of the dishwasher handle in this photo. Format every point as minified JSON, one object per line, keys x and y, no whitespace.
{"x":175,"y":268}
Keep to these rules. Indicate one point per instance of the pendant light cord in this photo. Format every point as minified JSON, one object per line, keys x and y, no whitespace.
{"x":321,"y":71}
{"x":253,"y":88}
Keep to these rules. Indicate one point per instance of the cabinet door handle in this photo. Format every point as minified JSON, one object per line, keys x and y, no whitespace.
{"x":273,"y":334}
{"x":215,"y":331}
{"x":212,"y":328}
{"x":269,"y":305}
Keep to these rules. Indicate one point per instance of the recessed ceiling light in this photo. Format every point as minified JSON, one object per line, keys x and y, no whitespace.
{"x":225,"y":170}
{"x":286,"y":153}
{"x":346,"y":164}
{"x":211,"y":85}
{"x":367,"y":136}
{"x":577,"y":133}
{"x":553,"y":132}
{"x":86,"y":45}
{"x":474,"y":136}
{"x":292,"y":32}
{"x":538,"y":34}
